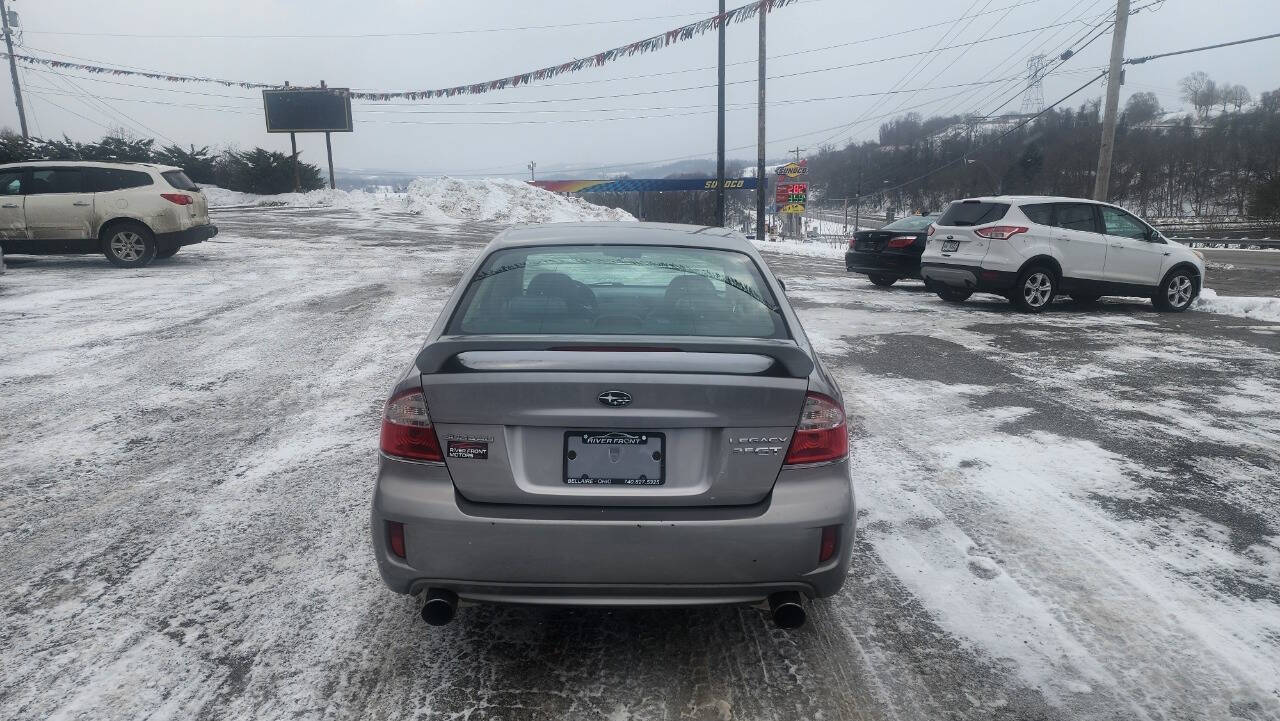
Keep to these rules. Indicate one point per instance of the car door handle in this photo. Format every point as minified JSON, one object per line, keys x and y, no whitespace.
{"x":81,"y":202}
{"x":10,"y":205}
{"x":1117,"y":245}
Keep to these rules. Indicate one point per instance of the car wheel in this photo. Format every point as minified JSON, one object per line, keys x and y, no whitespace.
{"x":953,"y":295}
{"x":129,"y":245}
{"x":1176,"y":292}
{"x":1084,"y":298}
{"x":884,"y":281}
{"x":1035,"y":289}
{"x":167,"y":252}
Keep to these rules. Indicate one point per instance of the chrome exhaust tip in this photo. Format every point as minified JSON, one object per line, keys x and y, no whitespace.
{"x":439,"y":606}
{"x":787,"y":609}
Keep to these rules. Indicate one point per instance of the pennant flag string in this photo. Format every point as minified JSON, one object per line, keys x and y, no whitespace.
{"x":650,"y":44}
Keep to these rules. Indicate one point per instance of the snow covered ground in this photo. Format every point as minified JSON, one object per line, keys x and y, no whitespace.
{"x":1064,"y":516}
{"x":440,"y":200}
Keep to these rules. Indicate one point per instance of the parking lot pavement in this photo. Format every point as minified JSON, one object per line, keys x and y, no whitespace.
{"x":1070,"y":515}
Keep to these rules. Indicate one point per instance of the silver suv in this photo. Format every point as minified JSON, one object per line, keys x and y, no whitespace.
{"x":615,"y":414}
{"x":130,"y":212}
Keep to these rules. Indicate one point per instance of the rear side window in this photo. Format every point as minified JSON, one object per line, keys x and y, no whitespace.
{"x":1077,"y":216}
{"x":973,"y":212}
{"x":619,"y":290}
{"x":179,"y":180}
{"x":55,"y":180}
{"x":108,"y":179}
{"x":1041,"y":213}
{"x":11,"y":182}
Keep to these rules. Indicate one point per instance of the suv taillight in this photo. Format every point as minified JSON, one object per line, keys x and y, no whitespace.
{"x":177,"y":198}
{"x":821,"y":434}
{"x":931,"y":230}
{"x":999,"y":232}
{"x":406,"y":428}
{"x":902,"y":241}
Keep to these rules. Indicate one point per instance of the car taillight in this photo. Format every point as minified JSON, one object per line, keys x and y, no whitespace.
{"x":406,"y":428}
{"x":1000,"y":232}
{"x":902,"y":241}
{"x":820,"y":435}
{"x":852,"y":242}
{"x":931,"y":230}
{"x":177,"y":198}
{"x":395,"y":537}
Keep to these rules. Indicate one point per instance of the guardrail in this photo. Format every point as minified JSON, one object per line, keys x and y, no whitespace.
{"x":1228,"y":242}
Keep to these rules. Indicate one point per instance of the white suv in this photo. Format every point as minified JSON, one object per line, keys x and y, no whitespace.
{"x":130,"y":212}
{"x":1030,"y":248}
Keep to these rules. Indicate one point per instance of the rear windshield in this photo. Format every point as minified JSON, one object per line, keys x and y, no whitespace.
{"x":179,"y":180}
{"x":619,"y":290}
{"x":914,"y":223}
{"x":973,"y":213}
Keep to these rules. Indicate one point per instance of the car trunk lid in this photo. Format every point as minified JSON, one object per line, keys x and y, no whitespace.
{"x":647,"y":426}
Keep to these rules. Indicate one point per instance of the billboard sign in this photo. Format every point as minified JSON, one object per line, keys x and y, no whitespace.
{"x":307,"y":110}
{"x":794,"y":170}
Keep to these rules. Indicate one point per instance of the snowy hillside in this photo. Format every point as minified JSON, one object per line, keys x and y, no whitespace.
{"x":441,"y":200}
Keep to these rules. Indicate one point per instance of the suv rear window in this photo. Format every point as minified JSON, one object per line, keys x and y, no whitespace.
{"x":179,"y":180}
{"x":972,"y":212}
{"x":619,"y":290}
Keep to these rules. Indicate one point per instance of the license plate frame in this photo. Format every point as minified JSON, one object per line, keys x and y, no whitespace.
{"x":614,"y":458}
{"x":950,"y":246}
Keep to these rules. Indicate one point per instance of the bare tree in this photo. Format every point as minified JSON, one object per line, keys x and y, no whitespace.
{"x":1237,"y":96}
{"x":1199,"y":90}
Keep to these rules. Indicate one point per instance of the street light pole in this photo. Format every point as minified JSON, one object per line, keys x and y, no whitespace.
{"x":762,"y":184}
{"x":720,"y":128}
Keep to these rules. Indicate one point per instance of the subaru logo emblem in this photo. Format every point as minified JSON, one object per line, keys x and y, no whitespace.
{"x":615,"y":399}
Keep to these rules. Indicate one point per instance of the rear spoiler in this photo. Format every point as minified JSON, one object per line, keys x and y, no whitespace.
{"x":441,"y":355}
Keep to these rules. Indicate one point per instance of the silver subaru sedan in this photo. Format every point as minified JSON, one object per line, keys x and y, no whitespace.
{"x":615,"y":414}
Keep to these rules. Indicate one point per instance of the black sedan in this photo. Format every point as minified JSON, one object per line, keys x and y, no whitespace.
{"x":891,"y":253}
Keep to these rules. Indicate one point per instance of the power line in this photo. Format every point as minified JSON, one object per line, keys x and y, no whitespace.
{"x":1138,"y":61}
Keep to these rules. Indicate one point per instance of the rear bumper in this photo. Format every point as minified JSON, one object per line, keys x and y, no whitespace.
{"x":613,"y":556}
{"x":190,"y":236}
{"x":968,"y":277}
{"x":900,"y":266}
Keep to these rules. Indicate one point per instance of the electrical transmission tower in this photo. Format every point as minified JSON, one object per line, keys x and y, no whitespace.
{"x":1033,"y":99}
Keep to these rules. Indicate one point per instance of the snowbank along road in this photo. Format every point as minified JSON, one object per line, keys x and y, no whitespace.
{"x":1071,"y":515}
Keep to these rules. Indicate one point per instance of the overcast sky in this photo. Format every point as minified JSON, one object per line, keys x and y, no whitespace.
{"x":455,"y":137}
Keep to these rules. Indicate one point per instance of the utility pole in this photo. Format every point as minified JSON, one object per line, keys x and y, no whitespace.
{"x":720,"y":128}
{"x":1102,"y":181}
{"x":293,"y":146}
{"x":797,"y":152}
{"x":762,"y":183}
{"x":13,"y":69}
{"x":531,"y":166}
{"x":328,"y":149}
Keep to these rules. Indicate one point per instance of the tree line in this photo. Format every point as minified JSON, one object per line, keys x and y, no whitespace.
{"x":1223,"y":158}
{"x":251,"y":171}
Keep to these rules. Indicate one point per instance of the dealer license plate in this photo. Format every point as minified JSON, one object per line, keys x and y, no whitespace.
{"x":614,"y":458}
{"x":950,"y":246}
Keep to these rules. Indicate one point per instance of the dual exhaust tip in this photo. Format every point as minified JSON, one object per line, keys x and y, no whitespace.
{"x":439,"y":606}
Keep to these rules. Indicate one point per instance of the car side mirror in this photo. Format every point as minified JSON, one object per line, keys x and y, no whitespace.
{"x":1152,"y":236}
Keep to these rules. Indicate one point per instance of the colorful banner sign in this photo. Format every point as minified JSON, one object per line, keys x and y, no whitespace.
{"x":626,"y":185}
{"x":791,"y":197}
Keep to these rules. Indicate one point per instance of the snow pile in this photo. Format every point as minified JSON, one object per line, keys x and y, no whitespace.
{"x":1253,"y":307}
{"x":811,"y":249}
{"x":442,"y":200}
